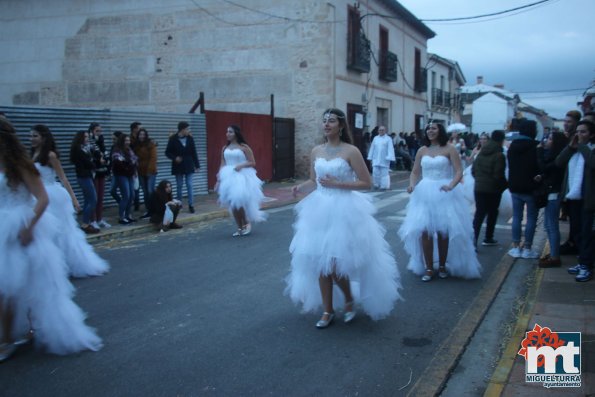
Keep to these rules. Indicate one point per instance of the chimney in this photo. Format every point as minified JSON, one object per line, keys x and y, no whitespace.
{"x":479,"y":79}
{"x":501,"y":86}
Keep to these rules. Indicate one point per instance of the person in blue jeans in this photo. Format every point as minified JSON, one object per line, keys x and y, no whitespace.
{"x":82,"y":158}
{"x":523,"y":170}
{"x":124,"y":163}
{"x":181,"y":150}
{"x":551,"y":175}
{"x":579,"y":185}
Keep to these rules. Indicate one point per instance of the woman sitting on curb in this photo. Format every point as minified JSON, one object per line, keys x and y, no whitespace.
{"x":164,"y":208}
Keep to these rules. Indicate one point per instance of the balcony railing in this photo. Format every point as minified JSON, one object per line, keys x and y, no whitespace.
{"x":441,"y":98}
{"x":360,"y":59}
{"x":389,"y":67}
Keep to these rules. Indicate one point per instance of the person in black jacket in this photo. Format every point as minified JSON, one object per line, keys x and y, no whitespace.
{"x":490,"y":181}
{"x":551,"y":176}
{"x":82,"y":158}
{"x":100,"y":153}
{"x":181,"y":150}
{"x":163,"y":200}
{"x":523,"y":168}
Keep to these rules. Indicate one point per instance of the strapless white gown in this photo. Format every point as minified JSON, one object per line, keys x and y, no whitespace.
{"x":435,"y":211}
{"x":81,"y":259}
{"x":35,"y":278}
{"x":335,"y":230}
{"x":240,"y":189}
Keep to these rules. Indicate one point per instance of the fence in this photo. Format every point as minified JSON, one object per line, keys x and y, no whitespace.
{"x":65,"y":122}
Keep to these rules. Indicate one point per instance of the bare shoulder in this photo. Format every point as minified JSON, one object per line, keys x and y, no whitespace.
{"x":52,"y":155}
{"x":316,"y":149}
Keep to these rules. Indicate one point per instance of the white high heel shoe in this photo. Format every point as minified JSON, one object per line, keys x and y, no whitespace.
{"x":350,"y":315}
{"x":325,"y":323}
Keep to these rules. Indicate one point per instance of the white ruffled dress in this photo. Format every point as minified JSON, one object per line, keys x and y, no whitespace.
{"x":35,"y":278}
{"x":435,"y":211}
{"x":81,"y":259}
{"x":335,"y":230}
{"x":240,"y":189}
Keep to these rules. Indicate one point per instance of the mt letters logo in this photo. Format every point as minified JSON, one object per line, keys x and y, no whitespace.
{"x":552,"y":358}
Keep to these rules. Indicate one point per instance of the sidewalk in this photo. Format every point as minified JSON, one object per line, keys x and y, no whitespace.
{"x":560,"y":303}
{"x":278,"y":194}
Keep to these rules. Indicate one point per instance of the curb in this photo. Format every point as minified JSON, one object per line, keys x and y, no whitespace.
{"x":434,"y":378}
{"x":137,"y":230}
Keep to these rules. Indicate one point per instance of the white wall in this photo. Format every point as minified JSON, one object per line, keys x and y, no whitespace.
{"x":490,"y":112}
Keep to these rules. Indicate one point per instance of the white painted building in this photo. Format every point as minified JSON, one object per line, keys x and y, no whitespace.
{"x":445,"y":79}
{"x":157,"y":56}
{"x":487,"y":108}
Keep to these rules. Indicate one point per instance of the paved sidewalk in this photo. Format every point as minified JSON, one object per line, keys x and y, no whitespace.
{"x":277,"y":194}
{"x":560,"y":303}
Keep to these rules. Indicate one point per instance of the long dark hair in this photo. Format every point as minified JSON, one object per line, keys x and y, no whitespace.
{"x":48,"y":144}
{"x":345,"y":134}
{"x":121,"y":146}
{"x":442,"y":135}
{"x":77,"y":141}
{"x":160,"y":192}
{"x":138,"y":142}
{"x":14,"y":156}
{"x":559,"y":142}
{"x":239,"y":137}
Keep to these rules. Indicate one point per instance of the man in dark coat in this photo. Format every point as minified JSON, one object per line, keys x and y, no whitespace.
{"x":182,"y":152}
{"x":490,"y":181}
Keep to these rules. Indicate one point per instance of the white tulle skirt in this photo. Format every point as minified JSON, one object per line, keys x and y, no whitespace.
{"x":35,"y":279}
{"x":434,"y":211}
{"x":241,"y":189}
{"x":81,"y":259}
{"x":335,"y":231}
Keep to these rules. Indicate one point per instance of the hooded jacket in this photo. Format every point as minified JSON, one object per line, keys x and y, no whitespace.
{"x":488,"y":169}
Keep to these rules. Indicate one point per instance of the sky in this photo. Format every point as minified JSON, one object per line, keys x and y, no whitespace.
{"x":538,"y":52}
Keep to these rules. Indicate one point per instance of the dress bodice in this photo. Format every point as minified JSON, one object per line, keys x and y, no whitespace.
{"x":438,"y":167}
{"x":48,"y":175}
{"x":337,"y":168}
{"x":10,"y":198}
{"x":234,"y":156}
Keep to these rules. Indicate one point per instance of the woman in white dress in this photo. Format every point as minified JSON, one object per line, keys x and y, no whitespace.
{"x":34,"y":288}
{"x":240,"y":190}
{"x":438,"y":210}
{"x":337,"y":240}
{"x":80,"y":257}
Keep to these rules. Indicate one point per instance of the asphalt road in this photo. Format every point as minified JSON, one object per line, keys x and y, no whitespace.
{"x":196,"y":312}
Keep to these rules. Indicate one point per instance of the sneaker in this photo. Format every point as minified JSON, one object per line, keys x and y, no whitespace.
{"x":574,"y":269}
{"x":175,"y":225}
{"x":528,"y":253}
{"x":584,"y":274}
{"x":145,"y":215}
{"x":515,"y":252}
{"x":124,"y":221}
{"x":95,"y":225}
{"x":130,"y":219}
{"x":191,"y":209}
{"x":104,"y":224}
{"x":489,"y":242}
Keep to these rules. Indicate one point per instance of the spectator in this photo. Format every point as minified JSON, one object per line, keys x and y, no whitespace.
{"x":124,"y":163}
{"x":523,"y":168}
{"x":551,"y":176}
{"x":113,"y":184}
{"x":578,"y":189}
{"x":134,"y":130}
{"x":82,"y":158}
{"x":164,"y":208}
{"x":182,"y":151}
{"x":490,"y":181}
{"x":146,"y":150}
{"x":101,"y":171}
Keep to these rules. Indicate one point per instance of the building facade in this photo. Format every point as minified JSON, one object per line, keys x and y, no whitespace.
{"x":445,"y":79}
{"x":366,"y":58}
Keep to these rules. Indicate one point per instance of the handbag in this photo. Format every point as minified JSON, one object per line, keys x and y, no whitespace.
{"x":540,"y":195}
